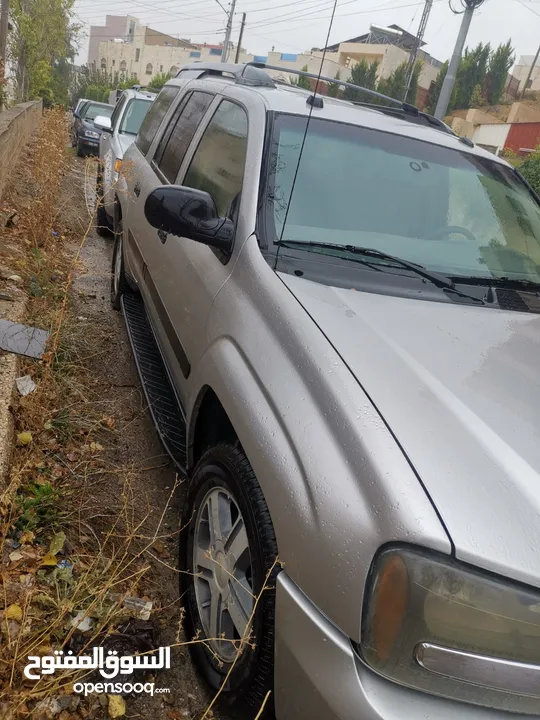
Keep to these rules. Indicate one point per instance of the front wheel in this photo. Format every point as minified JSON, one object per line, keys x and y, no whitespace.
{"x":118,"y":277}
{"x":227,"y":554}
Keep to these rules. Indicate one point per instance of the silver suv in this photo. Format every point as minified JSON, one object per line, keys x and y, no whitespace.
{"x":117,"y":133}
{"x":333,"y":309}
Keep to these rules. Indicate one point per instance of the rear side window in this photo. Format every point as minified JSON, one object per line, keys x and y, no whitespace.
{"x":179,"y":134}
{"x":152,"y":121}
{"x":218,"y":164}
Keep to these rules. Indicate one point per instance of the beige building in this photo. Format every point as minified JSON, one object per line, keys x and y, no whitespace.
{"x":521,"y":72}
{"x":142,"y":53}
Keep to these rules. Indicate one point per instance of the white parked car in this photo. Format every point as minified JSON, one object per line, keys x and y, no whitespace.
{"x":118,"y":133}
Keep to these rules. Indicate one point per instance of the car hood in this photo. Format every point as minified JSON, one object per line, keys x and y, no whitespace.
{"x":459,"y":388}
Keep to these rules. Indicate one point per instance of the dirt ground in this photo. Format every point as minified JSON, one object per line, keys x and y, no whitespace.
{"x":135,"y":448}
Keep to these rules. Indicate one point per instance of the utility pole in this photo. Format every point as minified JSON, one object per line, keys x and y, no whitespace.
{"x":242,"y":25}
{"x":228,"y":30}
{"x":526,"y":86}
{"x":416,"y":47}
{"x":450,"y":79}
{"x":4,"y":18}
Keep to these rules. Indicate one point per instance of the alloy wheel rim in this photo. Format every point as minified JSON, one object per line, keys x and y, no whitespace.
{"x":222,"y":569}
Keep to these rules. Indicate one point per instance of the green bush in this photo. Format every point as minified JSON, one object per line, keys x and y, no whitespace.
{"x":530,"y":169}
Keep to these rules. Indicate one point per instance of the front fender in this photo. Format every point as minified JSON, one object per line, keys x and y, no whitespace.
{"x":321,"y":477}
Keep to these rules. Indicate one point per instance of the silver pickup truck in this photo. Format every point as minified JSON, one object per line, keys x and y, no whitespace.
{"x":117,"y":133}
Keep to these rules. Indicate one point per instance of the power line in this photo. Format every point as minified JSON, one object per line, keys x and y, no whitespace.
{"x":528,"y":8}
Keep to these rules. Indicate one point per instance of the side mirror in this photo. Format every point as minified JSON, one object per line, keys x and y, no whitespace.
{"x":190,"y":213}
{"x":76,"y":114}
{"x":103,"y":123}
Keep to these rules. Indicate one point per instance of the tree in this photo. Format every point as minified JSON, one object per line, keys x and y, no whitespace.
{"x":302,"y":81}
{"x":98,"y":84}
{"x":363,"y":74}
{"x":478,"y":99}
{"x":500,"y":62}
{"x":394,"y":84}
{"x":334,"y":87}
{"x":472,"y":71}
{"x":159,"y":80}
{"x":530,"y":169}
{"x":413,"y":88}
{"x":43,"y":34}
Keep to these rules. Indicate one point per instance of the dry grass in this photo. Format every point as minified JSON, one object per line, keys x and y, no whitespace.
{"x":107,"y":552}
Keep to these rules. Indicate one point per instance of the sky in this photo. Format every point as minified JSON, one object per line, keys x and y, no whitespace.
{"x":296,"y":26}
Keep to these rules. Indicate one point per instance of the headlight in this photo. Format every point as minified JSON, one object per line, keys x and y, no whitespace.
{"x":433,"y":624}
{"x":91,"y":134}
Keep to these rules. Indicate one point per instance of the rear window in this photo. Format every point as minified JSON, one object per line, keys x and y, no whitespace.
{"x":93,"y":110}
{"x":154,"y":117}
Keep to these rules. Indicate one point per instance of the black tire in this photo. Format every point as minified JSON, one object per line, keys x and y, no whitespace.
{"x":118,"y":277}
{"x":252,"y":677}
{"x":103,"y":223}
{"x":80,"y":150}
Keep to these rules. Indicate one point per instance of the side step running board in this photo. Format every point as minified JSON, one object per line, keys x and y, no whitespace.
{"x":162,"y":402}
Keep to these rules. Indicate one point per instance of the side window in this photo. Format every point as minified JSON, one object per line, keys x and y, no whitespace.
{"x":218,"y":164}
{"x":117,"y":111}
{"x":180,"y":132}
{"x":152,"y":121}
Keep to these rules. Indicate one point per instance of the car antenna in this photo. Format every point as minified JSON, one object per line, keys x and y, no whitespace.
{"x":313,"y":101}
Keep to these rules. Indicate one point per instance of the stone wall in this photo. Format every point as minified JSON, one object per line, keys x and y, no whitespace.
{"x":17,"y":126}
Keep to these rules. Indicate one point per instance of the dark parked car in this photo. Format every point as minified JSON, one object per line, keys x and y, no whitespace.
{"x":85,"y":136}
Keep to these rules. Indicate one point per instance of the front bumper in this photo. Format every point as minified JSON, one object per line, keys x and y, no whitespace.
{"x":89,"y":144}
{"x":318,"y":676}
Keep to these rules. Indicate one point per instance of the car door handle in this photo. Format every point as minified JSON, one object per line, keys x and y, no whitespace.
{"x":162,"y":235}
{"x":137,"y":189}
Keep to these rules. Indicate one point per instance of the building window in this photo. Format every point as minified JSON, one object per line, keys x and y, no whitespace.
{"x":195,"y":53}
{"x":103,"y":64}
{"x":161,"y":68}
{"x":133,"y":75}
{"x":173,"y":71}
{"x":123,"y":66}
{"x":113,"y":62}
{"x":215,"y":51}
{"x":288,"y":57}
{"x":149,"y":69}
{"x":137,"y":54}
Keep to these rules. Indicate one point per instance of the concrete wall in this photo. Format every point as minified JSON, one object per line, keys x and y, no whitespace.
{"x":17,"y":126}
{"x":521,"y":113}
{"x":479,"y":117}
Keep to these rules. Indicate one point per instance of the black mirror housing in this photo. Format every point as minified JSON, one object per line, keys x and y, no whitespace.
{"x":187,"y":212}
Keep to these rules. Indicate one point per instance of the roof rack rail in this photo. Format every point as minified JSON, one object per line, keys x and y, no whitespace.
{"x":253,"y":73}
{"x":421,"y":118}
{"x":243,"y":74}
{"x":406,"y":107}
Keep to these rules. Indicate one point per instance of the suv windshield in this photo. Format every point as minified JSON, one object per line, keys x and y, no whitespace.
{"x":93,"y":110}
{"x":447,"y":210}
{"x":134,"y":115}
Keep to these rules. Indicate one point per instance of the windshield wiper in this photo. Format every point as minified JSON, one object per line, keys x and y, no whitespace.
{"x":436,"y":278}
{"x":504,"y":283}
